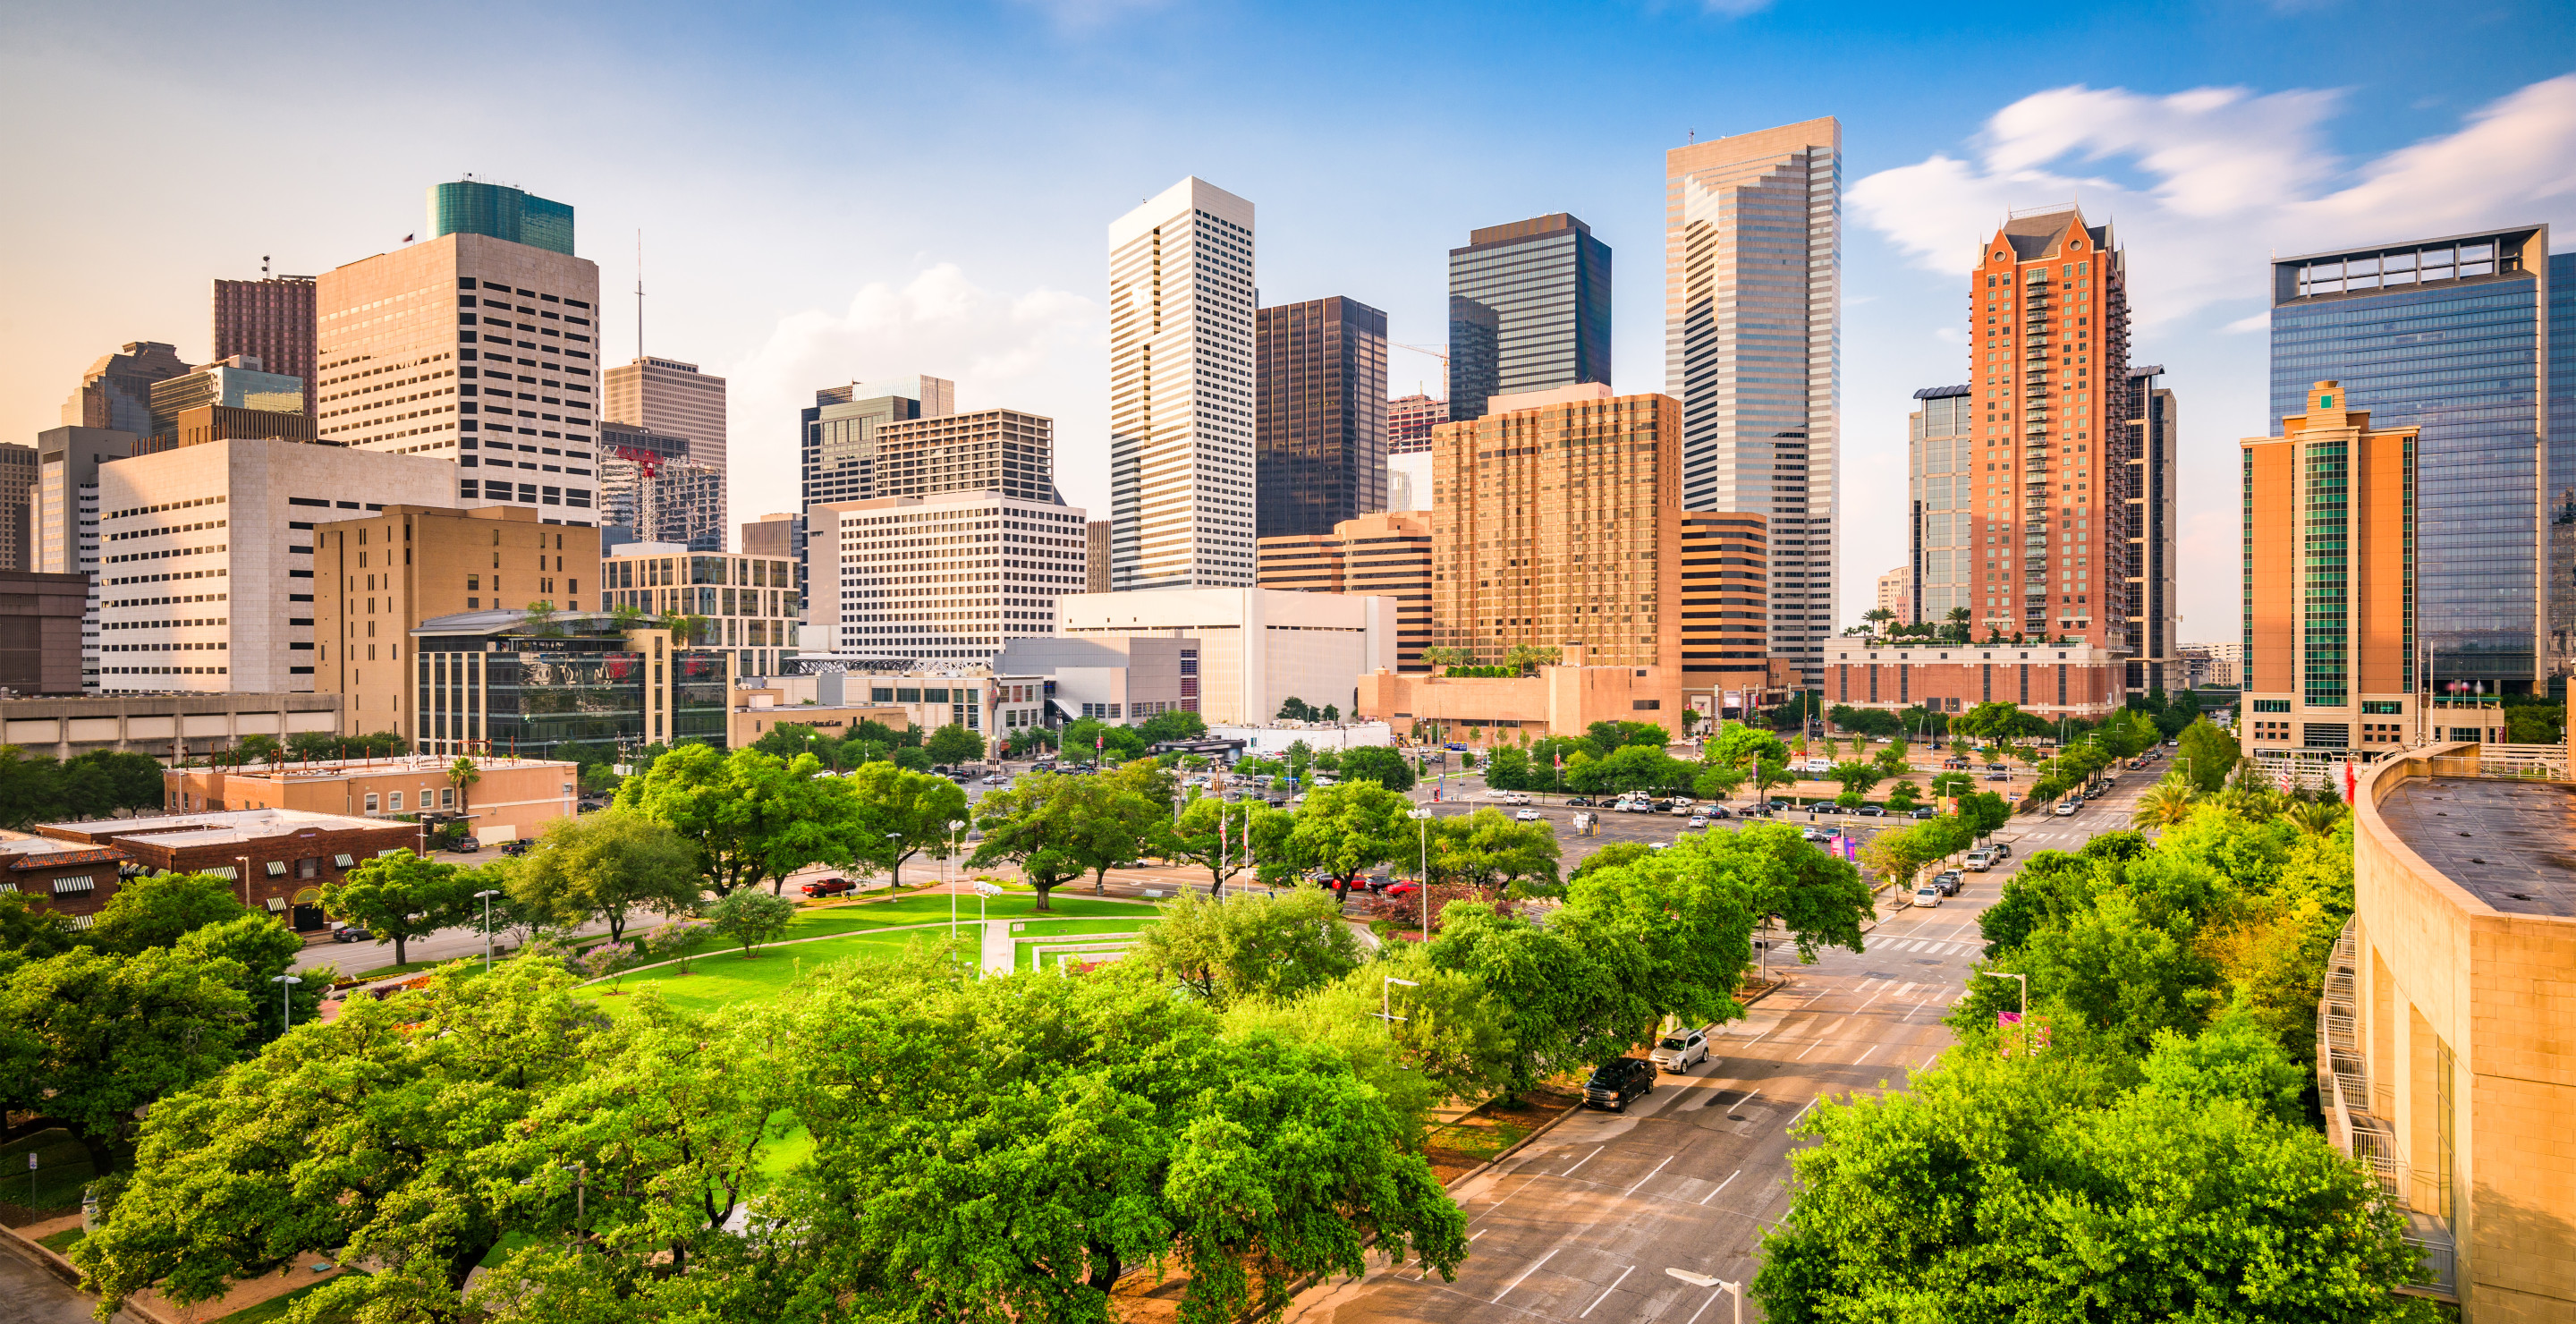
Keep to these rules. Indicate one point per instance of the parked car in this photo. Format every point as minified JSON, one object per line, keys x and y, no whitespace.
{"x":1618,"y":1080}
{"x":465,"y":846}
{"x":1684,"y":807}
{"x":1817,"y":834}
{"x":2066,"y":808}
{"x":351,"y":933}
{"x":1678,"y":1052}
{"x":1927,"y":895}
{"x":1778,"y":807}
{"x":828,"y":887}
{"x":2002,"y":850}
{"x":1662,"y":806}
{"x":1718,"y":811}
{"x":518,"y":847}
{"x":1529,"y":816}
{"x":994,"y":779}
{"x":1950,"y":881}
{"x":1981,"y":861}
{"x":1515,"y":798}
{"x":1926,"y":811}
{"x":1402,"y":887}
{"x":1999,"y":776}
{"x":1954,"y":763}
{"x":1871,"y":811}
{"x":1583,"y":801}
{"x":1698,"y":821}
{"x":1997,"y":767}
{"x":1817,"y":765}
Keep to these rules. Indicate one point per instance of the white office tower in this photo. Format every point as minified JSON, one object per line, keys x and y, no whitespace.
{"x":944,"y":578}
{"x":1181,"y":391}
{"x":1753,"y":350}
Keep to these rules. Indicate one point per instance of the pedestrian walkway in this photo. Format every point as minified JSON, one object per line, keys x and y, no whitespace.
{"x":1000,"y":953}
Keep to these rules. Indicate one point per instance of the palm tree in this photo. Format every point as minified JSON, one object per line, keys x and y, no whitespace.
{"x":2317,"y":818}
{"x":461,"y":774}
{"x":2165,"y":804}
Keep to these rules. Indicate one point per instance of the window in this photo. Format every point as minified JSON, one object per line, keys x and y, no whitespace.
{"x":394,"y":802}
{"x":447,"y":798}
{"x":371,"y":802}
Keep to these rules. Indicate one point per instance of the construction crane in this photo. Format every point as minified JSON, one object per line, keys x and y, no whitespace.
{"x":1440,"y":354}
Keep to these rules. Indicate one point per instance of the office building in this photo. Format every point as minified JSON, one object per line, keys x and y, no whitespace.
{"x":1120,"y":679}
{"x":1258,"y":648}
{"x":1529,"y":309}
{"x":2154,"y":522}
{"x":982,"y":699}
{"x":279,"y":858}
{"x":498,"y":211}
{"x":1409,"y":420}
{"x":472,"y":347}
{"x":747,"y":602}
{"x":1181,"y":391}
{"x":1941,"y":563}
{"x":2446,"y":1059}
{"x":2451,"y":336}
{"x":2045,"y":678}
{"x":65,"y":878}
{"x":1319,"y":426}
{"x":1389,"y":555}
{"x":579,"y":686}
{"x":943,"y":579}
{"x":1410,"y":480}
{"x":236,"y":385}
{"x":206,"y":558}
{"x":830,"y":704}
{"x":668,"y":396}
{"x":66,"y":523}
{"x":1753,"y":350}
{"x":380,"y":574}
{"x":116,"y":392}
{"x":510,"y":798}
{"x":1896,"y":595}
{"x":2049,"y":513}
{"x":1095,"y":556}
{"x":840,"y":432}
{"x":17,"y":507}
{"x":40,"y":633}
{"x":984,"y":450}
{"x":775,"y":536}
{"x":677,"y":501}
{"x":172,"y":726}
{"x":271,"y":320}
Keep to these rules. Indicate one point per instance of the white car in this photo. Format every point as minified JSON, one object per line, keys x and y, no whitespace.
{"x":1530,"y":816}
{"x":1681,"y":1050}
{"x":1512,"y":798}
{"x":2066,"y":809}
{"x":1699,"y":820}
{"x":995,"y":779}
{"x":1927,"y":895}
{"x":1817,"y":765}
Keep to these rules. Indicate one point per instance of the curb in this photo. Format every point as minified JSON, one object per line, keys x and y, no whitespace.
{"x":64,"y":1269}
{"x":1513,"y":1148}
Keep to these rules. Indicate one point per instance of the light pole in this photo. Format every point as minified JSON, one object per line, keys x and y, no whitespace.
{"x":485,"y":897}
{"x":1704,"y":1280}
{"x":285,"y":1001}
{"x":953,"y":825}
{"x":2023,"y":1016}
{"x":1385,"y":992}
{"x":894,"y":865}
{"x":984,"y":892}
{"x":1422,"y":823}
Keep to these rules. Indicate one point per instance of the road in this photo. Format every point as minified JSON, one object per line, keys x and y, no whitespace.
{"x":1585,"y":1222}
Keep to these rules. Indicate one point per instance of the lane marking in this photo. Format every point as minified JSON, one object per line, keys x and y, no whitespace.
{"x":1507,"y":1287}
{"x":1802,"y":1053}
{"x":1647,"y":1178}
{"x":1605,"y":1292}
{"x":1864,"y":1056}
{"x":1704,"y":1305}
{"x":1803,"y":1111}
{"x":1580,"y":1162}
{"x":1721,"y":1185}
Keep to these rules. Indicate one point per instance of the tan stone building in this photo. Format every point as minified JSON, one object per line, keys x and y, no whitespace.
{"x":749,"y":602}
{"x":510,"y":798}
{"x":1896,"y":594}
{"x":2446,"y":1052}
{"x":1557,"y":701}
{"x":1388,"y":555}
{"x":377,"y":578}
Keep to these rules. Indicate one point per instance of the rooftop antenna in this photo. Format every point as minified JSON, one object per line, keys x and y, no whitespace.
{"x":263,"y":266}
{"x":639,"y":293}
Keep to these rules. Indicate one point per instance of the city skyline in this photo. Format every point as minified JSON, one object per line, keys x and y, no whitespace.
{"x":1013,"y":304}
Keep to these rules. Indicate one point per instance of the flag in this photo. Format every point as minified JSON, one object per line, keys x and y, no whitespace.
{"x":409,"y":237}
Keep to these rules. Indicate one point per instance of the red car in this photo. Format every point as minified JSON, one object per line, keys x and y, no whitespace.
{"x":1401,"y":887}
{"x":828,"y":887}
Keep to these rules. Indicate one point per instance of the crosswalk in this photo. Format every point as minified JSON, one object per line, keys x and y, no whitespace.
{"x":1927,"y":946}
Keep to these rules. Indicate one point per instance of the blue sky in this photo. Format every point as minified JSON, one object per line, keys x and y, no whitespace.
{"x":830,"y":192}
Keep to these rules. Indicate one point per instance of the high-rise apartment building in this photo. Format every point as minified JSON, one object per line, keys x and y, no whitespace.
{"x":1095,"y":550}
{"x":997,"y":450}
{"x":2050,"y":520}
{"x":1753,"y":349}
{"x":2452,"y":336}
{"x":473,"y":347}
{"x":943,"y":577}
{"x":1529,"y":309}
{"x":499,"y":211}
{"x":206,"y":566}
{"x":1896,"y":594}
{"x":1181,"y":391}
{"x":271,"y":320}
{"x":238,"y":383}
{"x":1319,"y":430}
{"x":2333,"y":541}
{"x":17,"y":507}
{"x":2154,"y":534}
{"x":748,"y":602}
{"x":667,"y":395}
{"x":116,"y":392}
{"x":1941,"y":562}
{"x":66,"y":523}
{"x":1388,"y":555}
{"x":378,"y":574}
{"x":1558,"y":523}
{"x":1409,"y":420}
{"x":840,"y":432}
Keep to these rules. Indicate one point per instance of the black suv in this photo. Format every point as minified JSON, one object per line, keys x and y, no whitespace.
{"x":1615,"y":1082}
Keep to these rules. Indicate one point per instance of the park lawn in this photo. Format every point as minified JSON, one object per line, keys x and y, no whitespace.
{"x":1027,"y":955}
{"x":62,"y":1170}
{"x":919,"y":909}
{"x":718,"y":978}
{"x":275,"y":1307}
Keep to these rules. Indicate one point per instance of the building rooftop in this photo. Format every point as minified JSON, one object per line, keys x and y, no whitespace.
{"x":216,"y":828}
{"x":2511,"y":844}
{"x":430,"y":765}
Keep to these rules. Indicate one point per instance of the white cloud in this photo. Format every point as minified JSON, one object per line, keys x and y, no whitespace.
{"x":1044,"y":351}
{"x":2205,"y":184}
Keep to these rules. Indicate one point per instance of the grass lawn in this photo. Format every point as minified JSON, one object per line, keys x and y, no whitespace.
{"x":718,"y":978}
{"x":1028,"y":955}
{"x":273,"y":1308}
{"x":60,"y":1243}
{"x":62,"y":1170}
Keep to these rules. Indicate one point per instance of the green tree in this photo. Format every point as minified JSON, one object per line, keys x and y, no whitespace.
{"x":1174,"y":725}
{"x":158,"y":910}
{"x":952,"y":745}
{"x":751,"y":919}
{"x":88,"y":1038}
{"x":1111,"y":745}
{"x":31,"y":931}
{"x":1041,"y":823}
{"x":1717,"y":782}
{"x":607,"y":866}
{"x":1224,"y":839}
{"x":1741,"y":746}
{"x":257,"y":749}
{"x":1348,"y":829}
{"x":1282,"y":945}
{"x":263,"y":949}
{"x":2164,"y":804}
{"x":1377,"y":763}
{"x":1772,"y":773}
{"x":1509,"y":770}
{"x":1297,"y":710}
{"x":903,"y":813}
{"x":1487,"y":851}
{"x":399,"y":897}
{"x":2207,"y":755}
{"x":1855,"y":776}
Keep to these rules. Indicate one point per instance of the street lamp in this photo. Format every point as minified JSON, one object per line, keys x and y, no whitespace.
{"x":984,"y":892}
{"x":1422,"y":820}
{"x":485,"y":897}
{"x":953,"y":825}
{"x":894,"y":865}
{"x":1704,"y":1280}
{"x":1385,"y":1008}
{"x":285,"y":1001}
{"x":2024,"y":1014}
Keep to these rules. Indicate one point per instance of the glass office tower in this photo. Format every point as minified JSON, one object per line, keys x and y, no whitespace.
{"x":470,"y":206}
{"x":1319,"y":415}
{"x":2446,"y":335}
{"x":1529,"y":308}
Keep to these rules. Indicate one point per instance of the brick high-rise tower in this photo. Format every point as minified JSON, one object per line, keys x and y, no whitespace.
{"x":272,"y":321}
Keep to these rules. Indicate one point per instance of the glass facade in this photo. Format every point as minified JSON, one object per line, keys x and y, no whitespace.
{"x":1529,"y":308}
{"x":2562,"y":469}
{"x":2444,"y":335}
{"x":1941,"y":527}
{"x":468,"y":206}
{"x":1319,"y":422}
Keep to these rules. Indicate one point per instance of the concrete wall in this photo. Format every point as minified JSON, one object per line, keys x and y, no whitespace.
{"x":153,"y":723}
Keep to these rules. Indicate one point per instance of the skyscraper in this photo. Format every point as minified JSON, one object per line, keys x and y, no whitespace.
{"x":840,"y":432}
{"x":667,"y":395}
{"x":17,"y":507}
{"x":2445,"y":336}
{"x":116,"y":392}
{"x":1409,"y":420}
{"x":499,"y":211}
{"x":270,"y":319}
{"x":1320,"y":426}
{"x":1181,"y":391}
{"x":2154,"y":533}
{"x":1753,"y":349}
{"x":2049,"y":524}
{"x":1529,"y":309}
{"x":470,"y":347}
{"x":1000,"y":450}
{"x":238,"y":383}
{"x":1940,"y":529}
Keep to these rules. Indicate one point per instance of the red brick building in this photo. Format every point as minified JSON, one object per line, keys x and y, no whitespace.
{"x":66,"y":877}
{"x":2051,"y":680}
{"x":290,"y":853}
